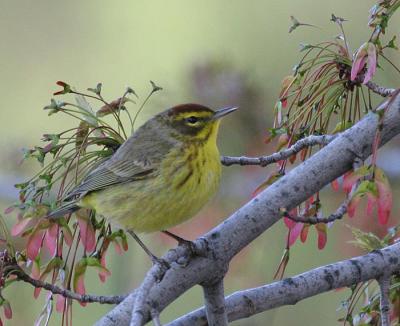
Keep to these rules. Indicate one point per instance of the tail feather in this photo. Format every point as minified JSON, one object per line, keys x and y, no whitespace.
{"x":67,"y":208}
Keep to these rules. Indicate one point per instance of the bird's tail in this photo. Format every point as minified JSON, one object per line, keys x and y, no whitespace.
{"x":66,"y":208}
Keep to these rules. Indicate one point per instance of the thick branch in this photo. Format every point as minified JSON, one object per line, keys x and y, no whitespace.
{"x":279,"y":156}
{"x":215,"y":304}
{"x":289,"y":291}
{"x":154,"y":275}
{"x":259,"y":214}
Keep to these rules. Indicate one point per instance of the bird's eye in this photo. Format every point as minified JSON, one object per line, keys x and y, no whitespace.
{"x":192,"y":120}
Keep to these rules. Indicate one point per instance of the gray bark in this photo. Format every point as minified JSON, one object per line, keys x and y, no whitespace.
{"x":214,"y":299}
{"x":289,"y":291}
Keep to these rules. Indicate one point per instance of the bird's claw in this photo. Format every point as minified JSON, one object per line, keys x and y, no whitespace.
{"x":164,"y":265}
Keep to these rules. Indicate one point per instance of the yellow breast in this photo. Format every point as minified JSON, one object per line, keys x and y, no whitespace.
{"x":187,"y":178}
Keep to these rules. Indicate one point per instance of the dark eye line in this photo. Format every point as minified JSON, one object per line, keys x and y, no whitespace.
{"x":192,"y":119}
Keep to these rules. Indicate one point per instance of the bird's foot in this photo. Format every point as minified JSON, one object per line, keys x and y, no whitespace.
{"x":162,"y":263}
{"x":189,"y":245}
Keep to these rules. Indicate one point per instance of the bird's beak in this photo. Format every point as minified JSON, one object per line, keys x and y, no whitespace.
{"x":223,"y":112}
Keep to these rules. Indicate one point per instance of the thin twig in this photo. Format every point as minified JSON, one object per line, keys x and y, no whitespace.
{"x":384,"y":284}
{"x":282,"y":155}
{"x":342,"y":209}
{"x":214,"y":299}
{"x":380,"y":90}
{"x":22,"y":276}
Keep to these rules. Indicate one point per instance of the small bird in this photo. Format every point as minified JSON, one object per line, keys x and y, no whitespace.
{"x":160,"y":177}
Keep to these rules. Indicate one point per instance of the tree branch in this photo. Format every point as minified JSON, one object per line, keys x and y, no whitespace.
{"x":230,"y":237}
{"x":384,"y":284}
{"x":342,"y":209}
{"x":155,"y":274}
{"x":380,"y":90}
{"x":279,"y":156}
{"x":215,"y":304}
{"x":243,"y":304}
{"x":22,"y":276}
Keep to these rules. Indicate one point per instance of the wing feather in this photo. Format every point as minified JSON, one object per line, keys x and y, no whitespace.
{"x":110,"y":174}
{"x":138,"y":157}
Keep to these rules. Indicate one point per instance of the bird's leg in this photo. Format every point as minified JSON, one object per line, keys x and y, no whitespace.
{"x":182,"y":242}
{"x":153,"y":257}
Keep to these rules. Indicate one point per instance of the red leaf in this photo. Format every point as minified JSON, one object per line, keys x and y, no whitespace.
{"x":80,"y":287}
{"x":60,"y":303}
{"x":304,"y":233}
{"x":371,"y":63}
{"x":124,"y":243}
{"x":36,"y":292}
{"x":303,"y":154}
{"x":88,"y":236}
{"x":350,"y":178}
{"x":289,"y":223}
{"x":282,"y":141}
{"x":351,"y":207}
{"x":294,"y":233}
{"x":117,"y":247}
{"x":359,"y":61}
{"x":292,"y":158}
{"x":385,"y":200}
{"x":67,"y":235}
{"x":35,"y":272}
{"x":34,"y":244}
{"x":347,"y":182}
{"x":51,"y":238}
{"x":79,"y":277}
{"x":66,"y":88}
{"x":20,"y":226}
{"x":322,"y":235}
{"x":335,"y":185}
{"x":371,"y":203}
{"x":309,"y":202}
{"x":7,"y":310}
{"x":61,"y":83}
{"x":104,"y":273}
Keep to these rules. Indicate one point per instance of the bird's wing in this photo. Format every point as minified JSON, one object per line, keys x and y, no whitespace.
{"x":112,"y":172}
{"x":138,"y":157}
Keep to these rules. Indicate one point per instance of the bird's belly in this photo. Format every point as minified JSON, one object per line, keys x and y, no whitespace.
{"x":169,"y":198}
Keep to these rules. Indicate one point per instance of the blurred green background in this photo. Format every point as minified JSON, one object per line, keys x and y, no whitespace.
{"x":213,"y":52}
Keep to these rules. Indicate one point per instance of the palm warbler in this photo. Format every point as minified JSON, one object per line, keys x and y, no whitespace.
{"x":160,"y":177}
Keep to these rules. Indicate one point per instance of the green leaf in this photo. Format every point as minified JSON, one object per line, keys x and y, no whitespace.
{"x":365,"y":187}
{"x":305,"y":46}
{"x":342,"y":126}
{"x":96,"y":90}
{"x":54,"y":107}
{"x":366,"y":240}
